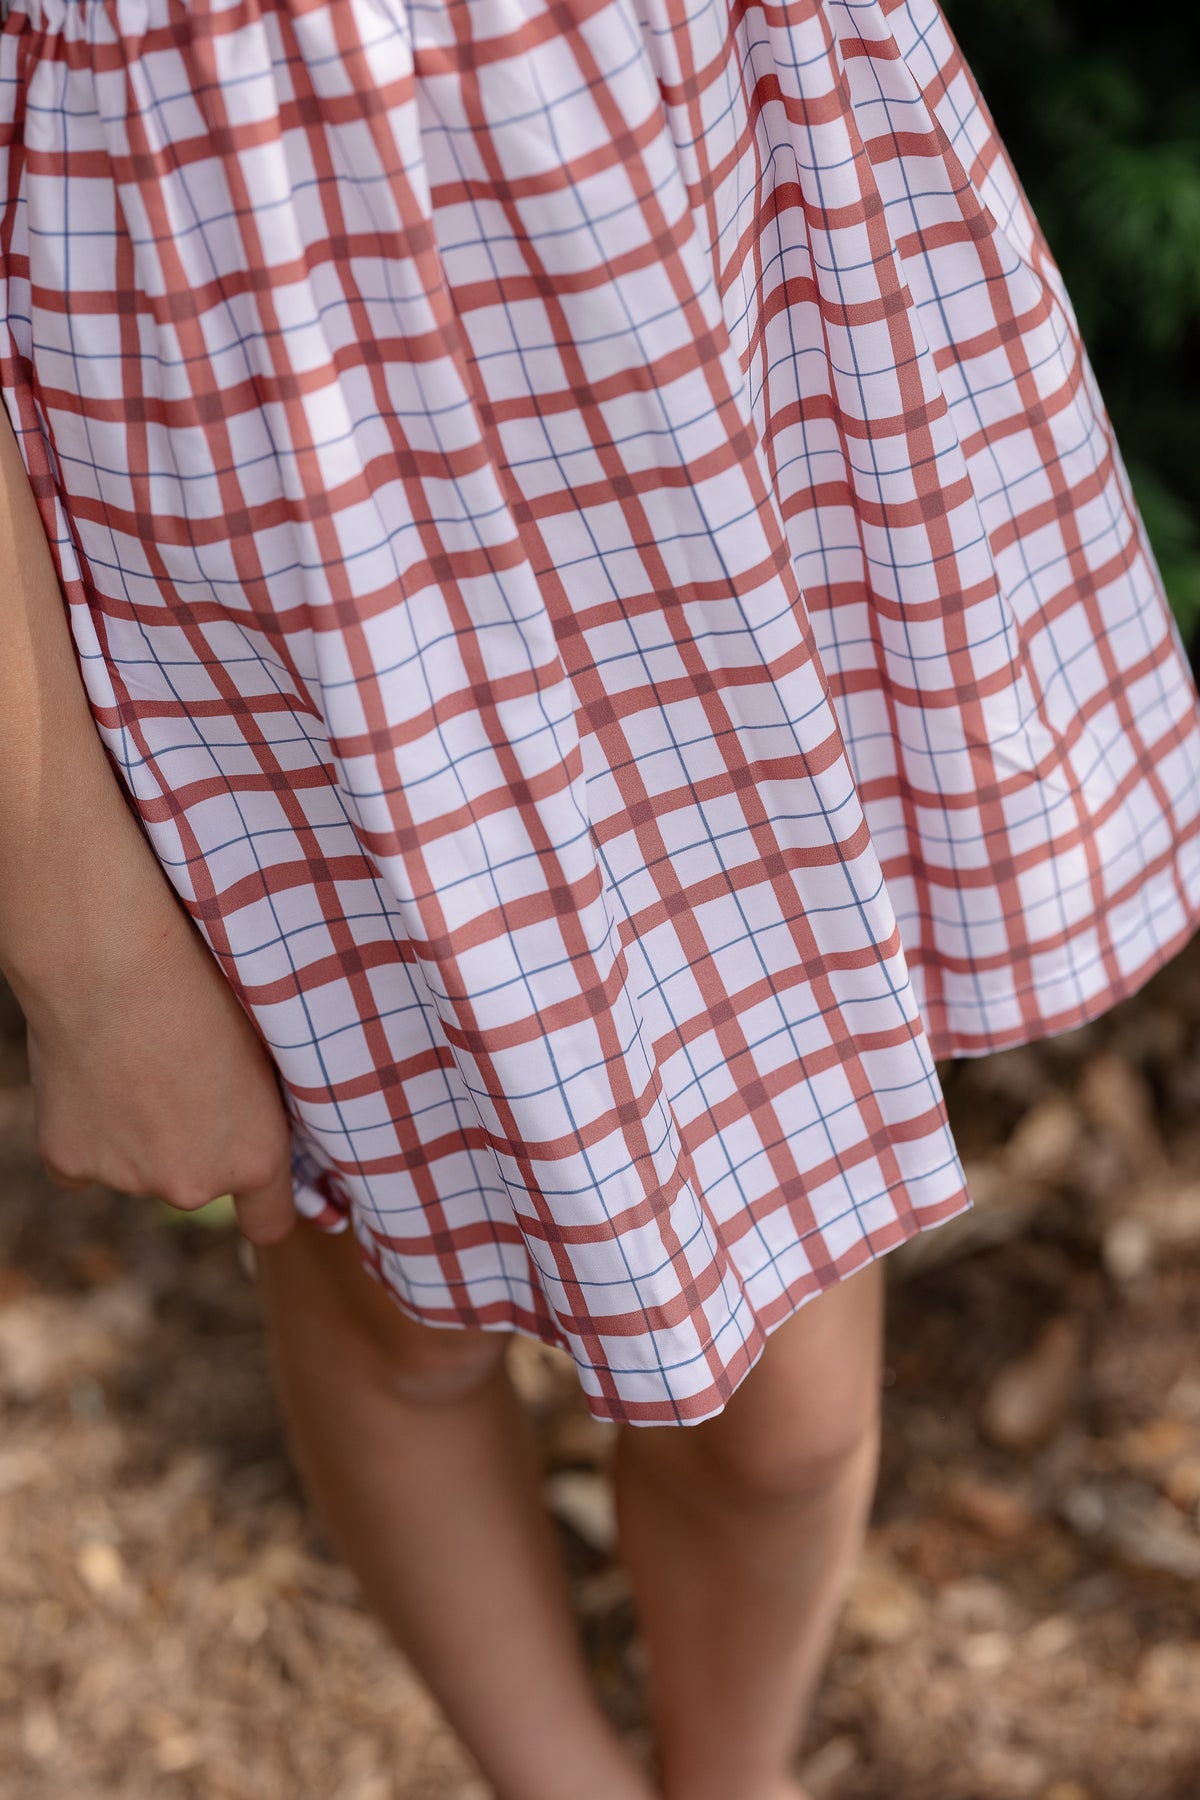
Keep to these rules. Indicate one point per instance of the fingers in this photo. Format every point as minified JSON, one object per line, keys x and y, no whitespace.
{"x":267,"y":1214}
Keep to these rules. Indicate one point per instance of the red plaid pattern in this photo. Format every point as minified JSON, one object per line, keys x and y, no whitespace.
{"x":508,"y":466}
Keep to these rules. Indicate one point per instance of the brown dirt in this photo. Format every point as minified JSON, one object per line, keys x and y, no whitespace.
{"x":1024,"y":1625}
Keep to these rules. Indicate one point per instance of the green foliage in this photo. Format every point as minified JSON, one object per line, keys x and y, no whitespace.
{"x":1175,"y":533}
{"x":1099,"y":103}
{"x":218,"y":1215}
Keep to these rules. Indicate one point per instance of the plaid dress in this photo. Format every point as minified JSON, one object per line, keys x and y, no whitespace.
{"x":595,"y":550}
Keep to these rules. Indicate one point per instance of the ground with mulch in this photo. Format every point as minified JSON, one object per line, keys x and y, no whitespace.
{"x":1025,"y":1623}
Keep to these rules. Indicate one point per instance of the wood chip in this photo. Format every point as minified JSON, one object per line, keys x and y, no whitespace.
{"x":1046,"y":1141}
{"x":1128,"y":1249}
{"x":1118,"y":1102}
{"x":884,"y":1606}
{"x":998,"y":1512}
{"x":101,"y":1569}
{"x":826,"y":1766}
{"x":1132,"y":1520}
{"x":1031,"y":1395}
{"x":583,"y":1500}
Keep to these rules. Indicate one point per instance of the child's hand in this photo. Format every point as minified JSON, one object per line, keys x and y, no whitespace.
{"x":149,"y":1078}
{"x":147,"y":1073}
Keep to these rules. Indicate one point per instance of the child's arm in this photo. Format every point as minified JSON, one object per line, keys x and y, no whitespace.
{"x":148,"y":1076}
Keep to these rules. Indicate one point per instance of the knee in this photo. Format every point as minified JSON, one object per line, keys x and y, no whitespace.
{"x":432,"y":1366}
{"x":337,"y":1323}
{"x":773,"y":1471}
{"x":724,"y":1463}
{"x":404,"y":1360}
{"x":429,"y":1366}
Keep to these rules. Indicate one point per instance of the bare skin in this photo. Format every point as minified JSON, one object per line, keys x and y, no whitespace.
{"x":147,"y":1073}
{"x":741,"y":1534}
{"x":414,"y":1448}
{"x":412,"y":1436}
{"x":149,"y":1077}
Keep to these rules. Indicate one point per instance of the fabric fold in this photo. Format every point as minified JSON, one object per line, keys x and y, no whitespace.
{"x":609,"y":585}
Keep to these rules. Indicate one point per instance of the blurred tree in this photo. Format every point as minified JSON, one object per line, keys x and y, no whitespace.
{"x":1099,"y":103}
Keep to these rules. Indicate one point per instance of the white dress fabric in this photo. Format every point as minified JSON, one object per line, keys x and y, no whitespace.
{"x":594,"y":547}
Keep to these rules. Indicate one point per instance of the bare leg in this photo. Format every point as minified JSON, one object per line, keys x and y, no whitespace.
{"x":416,"y":1452}
{"x":740,"y":1534}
